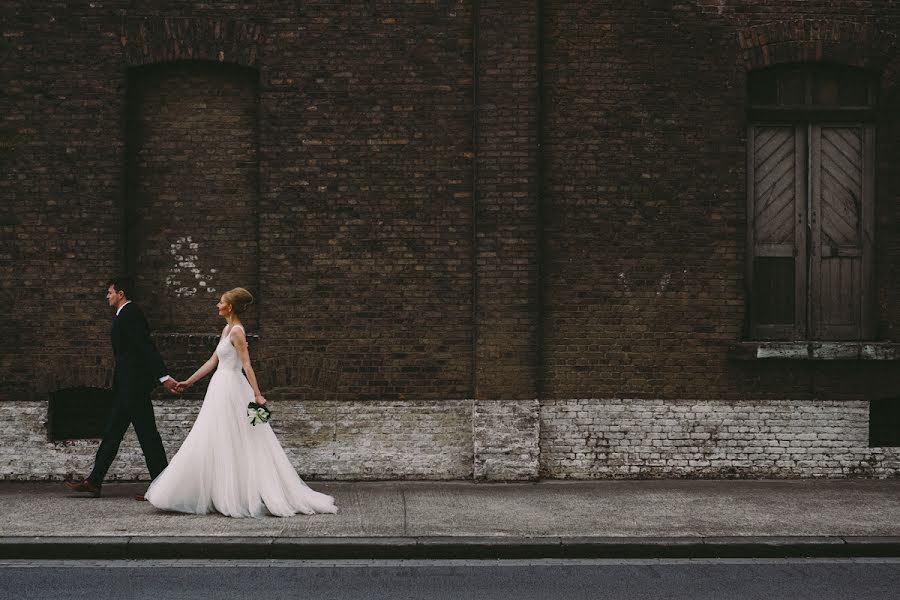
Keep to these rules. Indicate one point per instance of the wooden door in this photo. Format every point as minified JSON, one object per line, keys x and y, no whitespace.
{"x":841,"y":213}
{"x":777,"y":213}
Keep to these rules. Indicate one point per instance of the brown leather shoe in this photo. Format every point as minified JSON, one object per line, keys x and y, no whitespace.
{"x":140,"y":498}
{"x":83,"y":486}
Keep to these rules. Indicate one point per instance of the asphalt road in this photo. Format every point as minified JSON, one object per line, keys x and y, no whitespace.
{"x":671,"y":579}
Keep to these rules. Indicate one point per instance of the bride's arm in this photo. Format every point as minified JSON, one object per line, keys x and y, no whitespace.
{"x":207,"y":368}
{"x":239,"y":340}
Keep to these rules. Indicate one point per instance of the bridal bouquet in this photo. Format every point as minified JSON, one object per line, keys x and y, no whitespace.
{"x":257,"y":413}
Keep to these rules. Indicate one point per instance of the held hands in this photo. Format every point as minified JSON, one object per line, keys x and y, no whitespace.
{"x":181,"y":386}
{"x":171,"y":385}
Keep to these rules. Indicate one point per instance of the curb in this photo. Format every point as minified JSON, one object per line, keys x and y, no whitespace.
{"x":307,"y":548}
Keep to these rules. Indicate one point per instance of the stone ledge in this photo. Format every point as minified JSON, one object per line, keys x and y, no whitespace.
{"x":806,"y":350}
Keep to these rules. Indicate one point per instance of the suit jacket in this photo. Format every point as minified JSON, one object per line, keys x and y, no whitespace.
{"x":138,"y":363}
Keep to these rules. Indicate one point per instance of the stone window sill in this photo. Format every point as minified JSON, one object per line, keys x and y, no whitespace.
{"x":806,"y":350}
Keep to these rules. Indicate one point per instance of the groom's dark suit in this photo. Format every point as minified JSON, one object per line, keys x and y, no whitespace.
{"x":138,"y":370}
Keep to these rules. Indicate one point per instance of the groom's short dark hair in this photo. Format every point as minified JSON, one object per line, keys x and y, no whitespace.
{"x":122,"y":283}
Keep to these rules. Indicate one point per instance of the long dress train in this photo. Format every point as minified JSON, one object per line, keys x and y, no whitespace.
{"x":227,"y":465}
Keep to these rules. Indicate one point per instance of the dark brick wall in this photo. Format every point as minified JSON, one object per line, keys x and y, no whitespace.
{"x":192,"y":192}
{"x":61,"y":182}
{"x":507,"y":175}
{"x":432,"y":223}
{"x":364,"y":126}
{"x":366,"y":207}
{"x":644,"y":194}
{"x":642,"y":209}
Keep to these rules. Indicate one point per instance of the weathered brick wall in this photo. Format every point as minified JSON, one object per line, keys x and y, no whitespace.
{"x":579,"y":439}
{"x":348,"y":147}
{"x":645,"y":194}
{"x":366,"y":195}
{"x":364,"y":131}
{"x":191,"y":190}
{"x":466,"y":216}
{"x":507,"y":239}
{"x":507,"y":177}
{"x":324,"y":440}
{"x":61,"y":149}
{"x":505,"y":439}
{"x":629,"y":438}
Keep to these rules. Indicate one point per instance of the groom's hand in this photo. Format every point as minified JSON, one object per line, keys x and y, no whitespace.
{"x":171,"y":385}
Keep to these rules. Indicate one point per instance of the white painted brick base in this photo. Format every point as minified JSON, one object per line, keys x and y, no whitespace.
{"x":621,"y":438}
{"x":324,"y":440}
{"x":506,"y":434}
{"x":508,"y":440}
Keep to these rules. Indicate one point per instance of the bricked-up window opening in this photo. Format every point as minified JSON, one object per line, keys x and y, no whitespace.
{"x":884,"y":423}
{"x":810,"y":166}
{"x":78,"y":413}
{"x":192,"y":195}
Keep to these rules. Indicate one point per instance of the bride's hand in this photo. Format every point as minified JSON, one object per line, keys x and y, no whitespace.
{"x":183,"y":385}
{"x":260,"y":400}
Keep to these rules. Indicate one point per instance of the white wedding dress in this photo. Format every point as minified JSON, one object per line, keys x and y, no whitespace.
{"x":229,"y":466}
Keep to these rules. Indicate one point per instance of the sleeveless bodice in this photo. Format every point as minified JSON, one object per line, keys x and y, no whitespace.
{"x":228,"y":355}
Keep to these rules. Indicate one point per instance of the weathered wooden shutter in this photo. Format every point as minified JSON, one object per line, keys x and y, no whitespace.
{"x":777,"y":241}
{"x":841,"y":226}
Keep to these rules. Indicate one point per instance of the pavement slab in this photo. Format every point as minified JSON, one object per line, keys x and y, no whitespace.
{"x":420,"y":519}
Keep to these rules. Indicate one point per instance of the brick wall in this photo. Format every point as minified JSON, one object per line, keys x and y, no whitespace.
{"x":649,"y":438}
{"x":645,"y":195}
{"x":324,"y":440}
{"x":578,"y":439}
{"x":458,"y":218}
{"x":62,"y":132}
{"x":365,"y":195}
{"x":364,"y":133}
{"x":506,"y":192}
{"x":191,"y":190}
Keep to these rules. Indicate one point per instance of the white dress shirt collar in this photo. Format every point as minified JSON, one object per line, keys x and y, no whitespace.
{"x":121,"y":307}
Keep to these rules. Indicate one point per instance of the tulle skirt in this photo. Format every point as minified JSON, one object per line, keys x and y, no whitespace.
{"x":226,"y":465}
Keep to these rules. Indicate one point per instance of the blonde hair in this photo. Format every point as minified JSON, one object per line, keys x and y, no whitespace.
{"x":238,"y":298}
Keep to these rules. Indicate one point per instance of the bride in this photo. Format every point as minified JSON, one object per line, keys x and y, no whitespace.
{"x":225,"y":464}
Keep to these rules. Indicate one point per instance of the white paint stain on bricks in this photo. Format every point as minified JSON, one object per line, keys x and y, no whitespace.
{"x":185,"y":277}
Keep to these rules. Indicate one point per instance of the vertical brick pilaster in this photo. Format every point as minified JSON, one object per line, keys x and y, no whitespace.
{"x":506,"y":216}
{"x":506,"y":439}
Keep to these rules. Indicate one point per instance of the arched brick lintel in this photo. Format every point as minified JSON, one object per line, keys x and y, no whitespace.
{"x":822,"y":40}
{"x":158,"y":40}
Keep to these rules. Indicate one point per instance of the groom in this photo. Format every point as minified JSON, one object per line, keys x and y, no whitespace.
{"x":138,"y":369}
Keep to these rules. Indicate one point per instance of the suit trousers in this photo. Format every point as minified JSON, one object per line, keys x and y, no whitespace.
{"x":130,"y":407}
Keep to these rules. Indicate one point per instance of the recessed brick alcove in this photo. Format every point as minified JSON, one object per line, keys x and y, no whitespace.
{"x":192,"y":190}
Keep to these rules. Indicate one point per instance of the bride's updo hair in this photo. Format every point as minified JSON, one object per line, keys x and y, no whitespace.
{"x":238,"y":298}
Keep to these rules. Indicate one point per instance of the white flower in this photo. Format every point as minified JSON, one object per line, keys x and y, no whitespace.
{"x":257,"y":414}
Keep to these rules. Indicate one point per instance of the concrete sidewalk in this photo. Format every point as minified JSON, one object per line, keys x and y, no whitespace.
{"x":671,"y":518}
